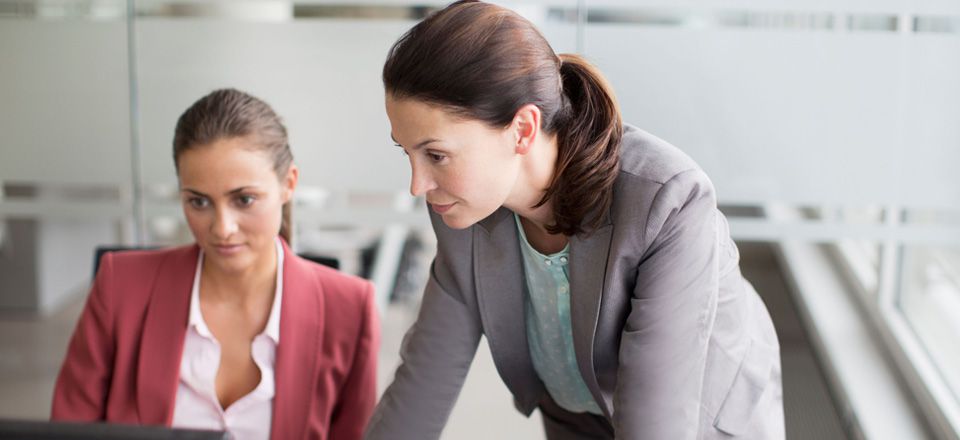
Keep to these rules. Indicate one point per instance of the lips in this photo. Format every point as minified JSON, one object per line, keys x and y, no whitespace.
{"x":440,"y":209}
{"x":227,"y":249}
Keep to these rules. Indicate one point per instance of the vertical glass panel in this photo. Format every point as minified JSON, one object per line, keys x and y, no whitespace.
{"x":64,"y":115}
{"x":771,"y":113}
{"x":930,"y":135}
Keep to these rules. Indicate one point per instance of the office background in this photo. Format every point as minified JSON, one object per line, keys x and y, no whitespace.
{"x":830,"y":130}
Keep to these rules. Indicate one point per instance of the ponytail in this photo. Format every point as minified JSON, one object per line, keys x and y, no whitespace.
{"x":286,"y":223}
{"x":589,"y":129}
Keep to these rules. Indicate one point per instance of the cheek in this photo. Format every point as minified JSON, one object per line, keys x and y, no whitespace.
{"x":263,"y":217}
{"x":196,"y":221}
{"x":474,"y":183}
{"x":494,"y":181}
{"x":461,"y":185}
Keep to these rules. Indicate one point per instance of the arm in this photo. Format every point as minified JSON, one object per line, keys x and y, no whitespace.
{"x":359,"y":392}
{"x":664,"y":343}
{"x":82,"y":386}
{"x":436,"y":354}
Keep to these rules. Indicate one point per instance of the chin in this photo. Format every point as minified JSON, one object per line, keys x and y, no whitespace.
{"x":458,"y":222}
{"x":229,"y":263}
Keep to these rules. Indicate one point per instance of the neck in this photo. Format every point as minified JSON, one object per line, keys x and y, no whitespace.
{"x":536,"y":173}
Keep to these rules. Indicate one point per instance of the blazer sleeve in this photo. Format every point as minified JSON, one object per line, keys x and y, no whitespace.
{"x":359,"y":392}
{"x":81,"y":389}
{"x":663,"y":346}
{"x":435,"y":357}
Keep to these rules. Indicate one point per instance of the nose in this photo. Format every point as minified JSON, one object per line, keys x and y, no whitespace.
{"x":420,"y":181}
{"x":224,"y":225}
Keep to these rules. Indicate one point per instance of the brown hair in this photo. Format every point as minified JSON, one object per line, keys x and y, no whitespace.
{"x":484,"y":62}
{"x":230,"y":113}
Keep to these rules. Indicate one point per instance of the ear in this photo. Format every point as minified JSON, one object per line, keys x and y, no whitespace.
{"x":289,"y":183}
{"x":526,"y":126}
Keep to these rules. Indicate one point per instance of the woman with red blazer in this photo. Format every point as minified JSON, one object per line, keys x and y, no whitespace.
{"x":234,"y":332}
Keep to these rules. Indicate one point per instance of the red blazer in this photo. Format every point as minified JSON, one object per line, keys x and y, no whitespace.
{"x":123,"y":362}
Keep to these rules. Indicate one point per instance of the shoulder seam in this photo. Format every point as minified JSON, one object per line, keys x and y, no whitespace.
{"x":657,"y":181}
{"x":656,"y":198}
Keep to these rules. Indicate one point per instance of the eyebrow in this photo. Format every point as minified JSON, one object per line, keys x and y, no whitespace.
{"x":232,"y":191}
{"x":419,"y":145}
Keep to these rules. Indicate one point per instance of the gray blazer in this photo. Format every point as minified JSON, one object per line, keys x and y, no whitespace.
{"x":671,"y":340}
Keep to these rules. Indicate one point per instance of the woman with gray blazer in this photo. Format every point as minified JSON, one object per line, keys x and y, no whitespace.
{"x":590,"y":254}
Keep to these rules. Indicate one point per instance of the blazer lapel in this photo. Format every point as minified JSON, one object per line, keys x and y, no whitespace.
{"x":301,"y":338}
{"x":500,"y":291}
{"x":588,"y":267}
{"x":164,"y":329}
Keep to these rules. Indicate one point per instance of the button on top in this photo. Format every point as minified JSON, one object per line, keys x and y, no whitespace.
{"x":563,"y":259}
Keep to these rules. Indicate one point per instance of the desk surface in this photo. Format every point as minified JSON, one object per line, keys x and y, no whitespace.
{"x":40,"y":430}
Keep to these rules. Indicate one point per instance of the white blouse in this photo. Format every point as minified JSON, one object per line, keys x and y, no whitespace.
{"x":197,"y":405}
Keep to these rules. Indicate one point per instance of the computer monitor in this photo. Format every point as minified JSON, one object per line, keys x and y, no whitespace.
{"x":39,"y":430}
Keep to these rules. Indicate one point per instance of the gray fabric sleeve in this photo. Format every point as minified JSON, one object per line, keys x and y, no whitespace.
{"x":664,"y":343}
{"x":436,"y":354}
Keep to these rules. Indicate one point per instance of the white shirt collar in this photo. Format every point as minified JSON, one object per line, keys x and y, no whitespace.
{"x":272,"y":329}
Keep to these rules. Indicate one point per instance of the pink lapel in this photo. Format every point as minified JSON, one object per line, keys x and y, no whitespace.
{"x":301,"y":337}
{"x":164,"y":329}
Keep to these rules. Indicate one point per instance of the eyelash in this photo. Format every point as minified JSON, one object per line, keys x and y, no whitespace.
{"x":435,"y":157}
{"x":243,"y":201}
{"x":198,"y":202}
{"x":244,"y":197}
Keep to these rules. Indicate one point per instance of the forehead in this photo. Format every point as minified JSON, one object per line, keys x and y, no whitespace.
{"x":224,"y":162}
{"x":413,"y":119}
{"x":413,"y":112}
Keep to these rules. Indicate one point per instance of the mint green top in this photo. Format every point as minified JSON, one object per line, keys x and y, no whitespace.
{"x":549,"y":330}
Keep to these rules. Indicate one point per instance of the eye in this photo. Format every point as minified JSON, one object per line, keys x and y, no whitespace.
{"x":436,"y":157}
{"x":245,"y":200}
{"x":198,"y":202}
